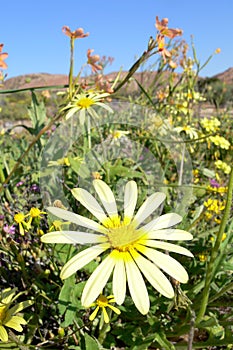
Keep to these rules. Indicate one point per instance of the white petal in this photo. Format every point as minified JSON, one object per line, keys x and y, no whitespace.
{"x":148,"y":207}
{"x":119,"y":278}
{"x":76,"y":219}
{"x":71,"y":112}
{"x":163,"y":221}
{"x":89,"y":202}
{"x":170,"y":235}
{"x":136,"y":285}
{"x":97,"y":281}
{"x":73,"y":237}
{"x":106,"y":196}
{"x":109,"y":109}
{"x":166,"y":263}
{"x":156,"y":278}
{"x":166,"y":246}
{"x":82,"y":259}
{"x":130,"y":199}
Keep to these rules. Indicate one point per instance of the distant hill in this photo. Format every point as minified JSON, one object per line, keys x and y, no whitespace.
{"x":34,"y":80}
{"x":226,"y":76}
{"x":46,"y":79}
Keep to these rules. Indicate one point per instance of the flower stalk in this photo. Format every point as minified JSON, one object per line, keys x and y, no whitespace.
{"x":215,"y":252}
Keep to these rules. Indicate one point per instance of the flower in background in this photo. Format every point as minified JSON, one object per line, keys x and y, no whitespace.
{"x":9,"y":314}
{"x":210,"y":124}
{"x":223,"y":166}
{"x":214,"y":183}
{"x":9,"y":229}
{"x":92,"y":61}
{"x":102,"y":302}
{"x":3,"y":56}
{"x":103,"y":84}
{"x":20,"y":220}
{"x":133,"y":247}
{"x":164,"y":31}
{"x":117,"y":134}
{"x":36,"y":213}
{"x":220,"y":141}
{"x":76,"y":34}
{"x":189,"y":130}
{"x":162,"y":49}
{"x":162,"y":27}
{"x":35,"y":188}
{"x":20,"y":183}
{"x":83,"y":103}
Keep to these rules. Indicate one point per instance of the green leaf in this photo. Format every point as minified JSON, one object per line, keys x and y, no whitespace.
{"x":165,"y":344}
{"x":91,"y":343}
{"x":209,"y":173}
{"x":66,"y":294}
{"x":37,"y":114}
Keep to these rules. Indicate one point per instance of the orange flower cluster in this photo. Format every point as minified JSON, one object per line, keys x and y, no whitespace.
{"x":92,"y":60}
{"x":164,"y":31}
{"x":3,"y":56}
{"x":76,"y":34}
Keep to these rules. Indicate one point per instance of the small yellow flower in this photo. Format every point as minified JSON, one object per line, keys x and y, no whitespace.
{"x":223,"y":166}
{"x":210,"y":124}
{"x":20,"y":220}
{"x":220,"y":141}
{"x":83,"y":102}
{"x":96,"y":175}
{"x":36,"y":213}
{"x":117,"y":134}
{"x":102,"y":303}
{"x":9,"y":315}
{"x":224,"y":236}
{"x":202,"y":257}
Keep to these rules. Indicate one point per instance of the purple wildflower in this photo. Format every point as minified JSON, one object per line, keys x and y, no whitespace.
{"x":214,"y":183}
{"x":35,"y":188}
{"x":9,"y":229}
{"x":20,"y":183}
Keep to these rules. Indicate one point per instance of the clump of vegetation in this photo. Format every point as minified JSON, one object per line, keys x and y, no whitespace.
{"x":116,"y":207}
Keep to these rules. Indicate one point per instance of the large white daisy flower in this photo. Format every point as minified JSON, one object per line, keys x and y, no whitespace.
{"x":133,"y":247}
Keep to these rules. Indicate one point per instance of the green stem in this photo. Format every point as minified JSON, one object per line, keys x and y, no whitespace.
{"x":215,"y":251}
{"x":71,"y":67}
{"x":89,"y":132}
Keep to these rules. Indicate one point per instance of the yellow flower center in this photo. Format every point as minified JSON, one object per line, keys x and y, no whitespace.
{"x":102,"y":301}
{"x":19,"y":218}
{"x":85,"y":102}
{"x":122,"y":234}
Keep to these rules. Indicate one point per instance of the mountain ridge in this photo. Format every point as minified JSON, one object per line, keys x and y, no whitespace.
{"x":47,"y":79}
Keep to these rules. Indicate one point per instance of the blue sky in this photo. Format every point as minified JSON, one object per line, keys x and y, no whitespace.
{"x":32,"y":36}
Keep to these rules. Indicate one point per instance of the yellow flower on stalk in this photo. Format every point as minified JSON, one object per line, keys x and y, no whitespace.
{"x":83,"y":103}
{"x":20,"y":220}
{"x":132,"y":246}
{"x":102,"y":302}
{"x":36,"y":213}
{"x":9,"y":314}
